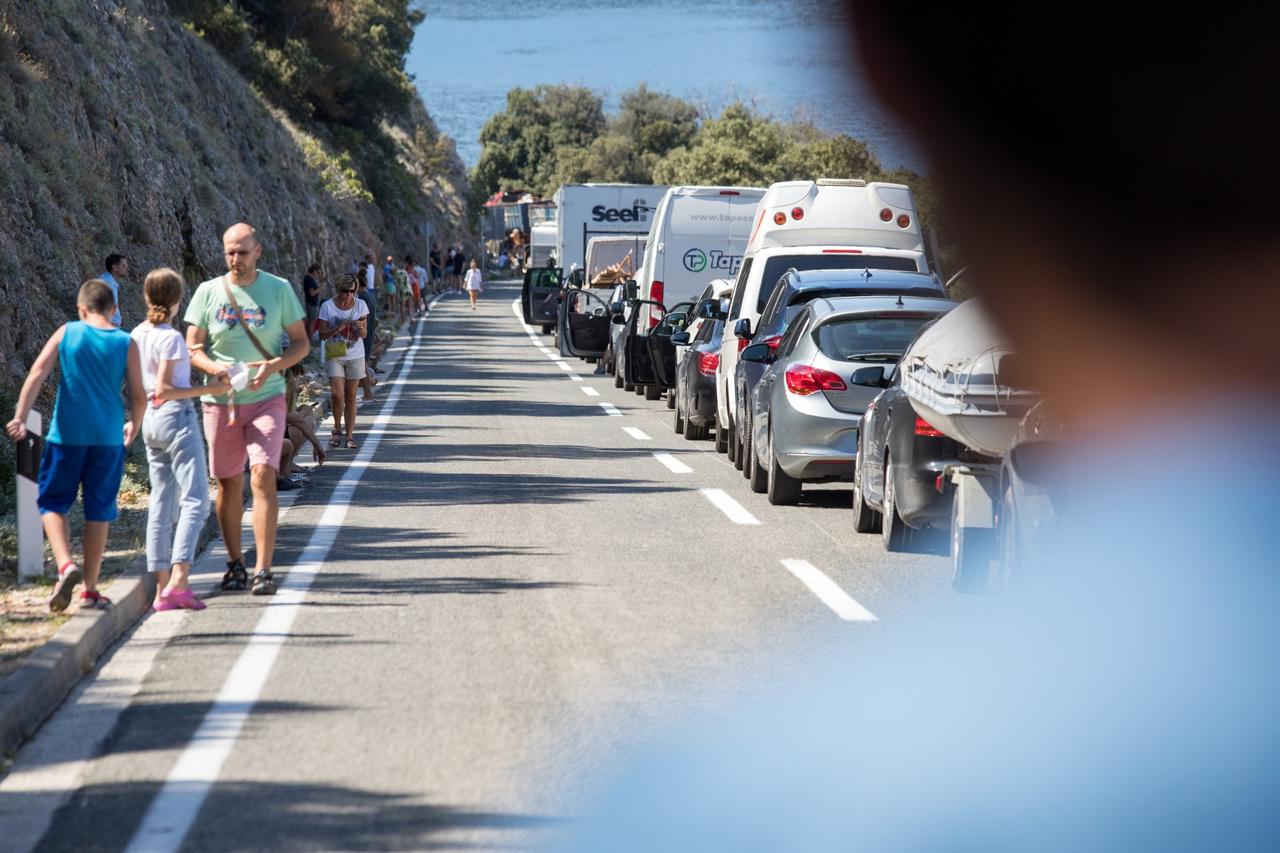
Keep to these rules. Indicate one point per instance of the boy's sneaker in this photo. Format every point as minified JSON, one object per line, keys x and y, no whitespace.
{"x":264,"y":583}
{"x":236,"y":578}
{"x":68,"y":576}
{"x":91,"y":599}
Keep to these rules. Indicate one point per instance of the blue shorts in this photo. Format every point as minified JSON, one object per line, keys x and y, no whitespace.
{"x":64,"y":468}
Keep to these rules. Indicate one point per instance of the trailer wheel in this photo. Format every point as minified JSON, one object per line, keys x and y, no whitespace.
{"x":971,"y":551}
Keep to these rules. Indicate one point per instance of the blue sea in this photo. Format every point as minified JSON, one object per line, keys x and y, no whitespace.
{"x":787,"y":59}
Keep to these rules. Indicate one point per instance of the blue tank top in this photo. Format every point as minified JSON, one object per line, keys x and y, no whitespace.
{"x":90,"y":405}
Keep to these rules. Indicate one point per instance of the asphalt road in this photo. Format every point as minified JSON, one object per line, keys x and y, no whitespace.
{"x":514,"y":590}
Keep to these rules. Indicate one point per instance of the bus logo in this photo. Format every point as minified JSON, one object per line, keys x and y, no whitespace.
{"x":695,"y":260}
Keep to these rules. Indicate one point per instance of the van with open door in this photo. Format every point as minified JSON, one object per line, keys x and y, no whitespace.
{"x":813,"y":225}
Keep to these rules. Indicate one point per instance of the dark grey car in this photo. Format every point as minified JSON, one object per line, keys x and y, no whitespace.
{"x":806,"y":410}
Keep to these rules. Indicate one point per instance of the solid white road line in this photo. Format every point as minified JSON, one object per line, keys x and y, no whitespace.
{"x":611,"y":410}
{"x":174,"y":809}
{"x":674,"y":465}
{"x":637,"y":434}
{"x":589,"y":391}
{"x":828,"y":591}
{"x":736,"y":512}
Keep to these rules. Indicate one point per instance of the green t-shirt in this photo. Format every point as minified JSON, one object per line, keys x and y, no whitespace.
{"x":268,"y":306}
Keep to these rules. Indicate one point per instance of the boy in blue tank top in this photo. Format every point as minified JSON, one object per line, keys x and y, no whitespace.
{"x":85,"y":445}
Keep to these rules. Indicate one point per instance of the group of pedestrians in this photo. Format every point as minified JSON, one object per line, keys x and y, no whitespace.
{"x":246,"y":329}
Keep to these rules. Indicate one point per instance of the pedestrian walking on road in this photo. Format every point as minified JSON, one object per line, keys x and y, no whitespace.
{"x":311,"y":297}
{"x":459,"y":264}
{"x":83,"y":450}
{"x":117,"y":269}
{"x":437,"y":269}
{"x":343,"y":327}
{"x":473,"y":283}
{"x":238,"y":323}
{"x":175,"y":448}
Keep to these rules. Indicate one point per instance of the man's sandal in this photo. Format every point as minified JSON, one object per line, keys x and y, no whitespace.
{"x":236,"y":578}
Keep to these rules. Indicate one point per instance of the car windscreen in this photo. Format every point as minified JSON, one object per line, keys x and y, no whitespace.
{"x":874,"y":338}
{"x":777,"y":266}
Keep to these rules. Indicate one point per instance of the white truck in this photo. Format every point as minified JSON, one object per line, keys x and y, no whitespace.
{"x":584,"y":211}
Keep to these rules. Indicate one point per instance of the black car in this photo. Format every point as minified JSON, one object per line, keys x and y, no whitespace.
{"x":695,"y":391}
{"x":540,"y":297}
{"x":794,"y":290}
{"x":898,"y":483}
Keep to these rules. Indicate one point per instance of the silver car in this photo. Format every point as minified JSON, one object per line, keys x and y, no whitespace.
{"x":806,"y":409}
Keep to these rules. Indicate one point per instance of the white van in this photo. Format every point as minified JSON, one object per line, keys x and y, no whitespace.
{"x":812,"y":225}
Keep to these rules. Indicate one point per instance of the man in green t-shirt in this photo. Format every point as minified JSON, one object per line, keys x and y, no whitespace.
{"x":239,"y":321}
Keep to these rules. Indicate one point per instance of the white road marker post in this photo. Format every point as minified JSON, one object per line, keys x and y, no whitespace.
{"x":30,"y":530}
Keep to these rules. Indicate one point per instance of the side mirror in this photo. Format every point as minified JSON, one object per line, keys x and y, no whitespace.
{"x":631,"y":289}
{"x":742,"y":328}
{"x":617,"y":307}
{"x":871,"y":377}
{"x":680,"y":339}
{"x":757,"y":353}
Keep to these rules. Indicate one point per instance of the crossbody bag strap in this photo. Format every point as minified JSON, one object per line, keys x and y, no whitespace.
{"x":253,"y":339}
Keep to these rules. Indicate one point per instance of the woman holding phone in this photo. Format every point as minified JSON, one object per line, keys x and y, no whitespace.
{"x":342,"y":330}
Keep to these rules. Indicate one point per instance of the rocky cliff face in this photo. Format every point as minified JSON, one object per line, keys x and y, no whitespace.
{"x":120,"y":131}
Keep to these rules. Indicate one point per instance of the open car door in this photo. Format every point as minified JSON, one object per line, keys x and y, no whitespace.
{"x":584,"y":322}
{"x":662,"y":353}
{"x":638,"y":361}
{"x":539,"y":296}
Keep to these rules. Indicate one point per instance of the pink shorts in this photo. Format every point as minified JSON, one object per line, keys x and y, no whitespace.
{"x":256,"y":436}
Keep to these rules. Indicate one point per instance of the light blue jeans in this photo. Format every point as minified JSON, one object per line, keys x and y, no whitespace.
{"x":179,"y":483}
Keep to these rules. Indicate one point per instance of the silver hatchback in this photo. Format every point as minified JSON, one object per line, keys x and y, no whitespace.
{"x":807,"y":408}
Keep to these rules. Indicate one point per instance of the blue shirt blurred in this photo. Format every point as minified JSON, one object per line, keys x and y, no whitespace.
{"x":115,"y":291}
{"x":1125,"y":698}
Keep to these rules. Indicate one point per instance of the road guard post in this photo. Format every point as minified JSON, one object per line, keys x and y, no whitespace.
{"x":30,"y":530}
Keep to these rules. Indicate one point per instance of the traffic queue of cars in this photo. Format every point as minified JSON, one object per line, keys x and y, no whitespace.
{"x":793,"y":364}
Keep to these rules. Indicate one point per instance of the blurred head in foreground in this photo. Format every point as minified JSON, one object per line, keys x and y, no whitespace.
{"x":1111,"y":178}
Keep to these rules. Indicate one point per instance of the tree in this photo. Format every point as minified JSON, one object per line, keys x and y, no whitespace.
{"x":739,"y":148}
{"x":524,"y":144}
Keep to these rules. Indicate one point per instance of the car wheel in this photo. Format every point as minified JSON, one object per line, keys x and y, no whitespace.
{"x":970,"y":554}
{"x":692,"y":431}
{"x":733,"y":443}
{"x":783,"y":489}
{"x":865,"y":519}
{"x":671,"y":398}
{"x":746,"y":454}
{"x":893,"y":532}
{"x":759,"y":475}
{"x":617,"y":377}
{"x":652,"y":392}
{"x":547,"y":327}
{"x":722,"y":437}
{"x":739,"y":458}
{"x":679,"y":424}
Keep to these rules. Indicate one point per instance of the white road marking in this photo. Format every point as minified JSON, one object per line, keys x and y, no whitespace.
{"x":611,"y":409}
{"x":175,"y":807}
{"x":674,"y":465}
{"x":576,"y":378}
{"x":637,"y":434}
{"x":736,"y":512}
{"x":564,"y":365}
{"x":554,"y":356}
{"x":589,"y":391}
{"x":828,"y":591}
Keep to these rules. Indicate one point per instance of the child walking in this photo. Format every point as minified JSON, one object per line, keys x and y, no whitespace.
{"x":84,"y":449}
{"x":474,"y":283}
{"x":175,"y":447}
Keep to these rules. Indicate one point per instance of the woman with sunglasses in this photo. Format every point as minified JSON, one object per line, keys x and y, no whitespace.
{"x":342,"y":329}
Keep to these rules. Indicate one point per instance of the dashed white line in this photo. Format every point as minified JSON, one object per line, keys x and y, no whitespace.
{"x":735,"y":511}
{"x":576,"y":378}
{"x":828,"y":591}
{"x":589,"y":391}
{"x":674,"y":465}
{"x":637,"y":434}
{"x":611,"y":410}
{"x":564,"y":365}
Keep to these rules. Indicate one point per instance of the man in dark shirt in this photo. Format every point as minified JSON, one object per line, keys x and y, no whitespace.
{"x":437,"y":269}
{"x":311,"y":297}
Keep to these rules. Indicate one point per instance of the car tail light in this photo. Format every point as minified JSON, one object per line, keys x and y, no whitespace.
{"x":797,"y":213}
{"x":926,"y":429}
{"x":730,"y":192}
{"x":743,"y":343}
{"x":886,"y":215}
{"x":904,"y":221}
{"x":779,"y":218}
{"x":657,"y":290}
{"x":804,"y":380}
{"x":708,"y":362}
{"x":842,"y":251}
{"x":773,"y":342}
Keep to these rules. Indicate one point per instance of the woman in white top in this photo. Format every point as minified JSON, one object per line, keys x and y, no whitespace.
{"x":342,"y":330}
{"x":472,"y":283}
{"x":175,"y":446}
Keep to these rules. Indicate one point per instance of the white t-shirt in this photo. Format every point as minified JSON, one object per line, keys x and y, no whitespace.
{"x":162,"y":343}
{"x":333,"y":315}
{"x":473,"y":279}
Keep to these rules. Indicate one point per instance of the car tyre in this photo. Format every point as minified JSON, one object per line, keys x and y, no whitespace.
{"x":782,"y":488}
{"x":759,"y":475}
{"x":692,"y":431}
{"x":746,"y":455}
{"x":865,"y":519}
{"x":617,"y":378}
{"x":893,"y":530}
{"x":679,"y":425}
{"x":733,"y":443}
{"x":722,"y":437}
{"x":739,"y":457}
{"x":671,"y":398}
{"x":652,"y":392}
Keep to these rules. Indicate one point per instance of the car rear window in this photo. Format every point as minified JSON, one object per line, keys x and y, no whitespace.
{"x":777,"y":266}
{"x":857,"y":337}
